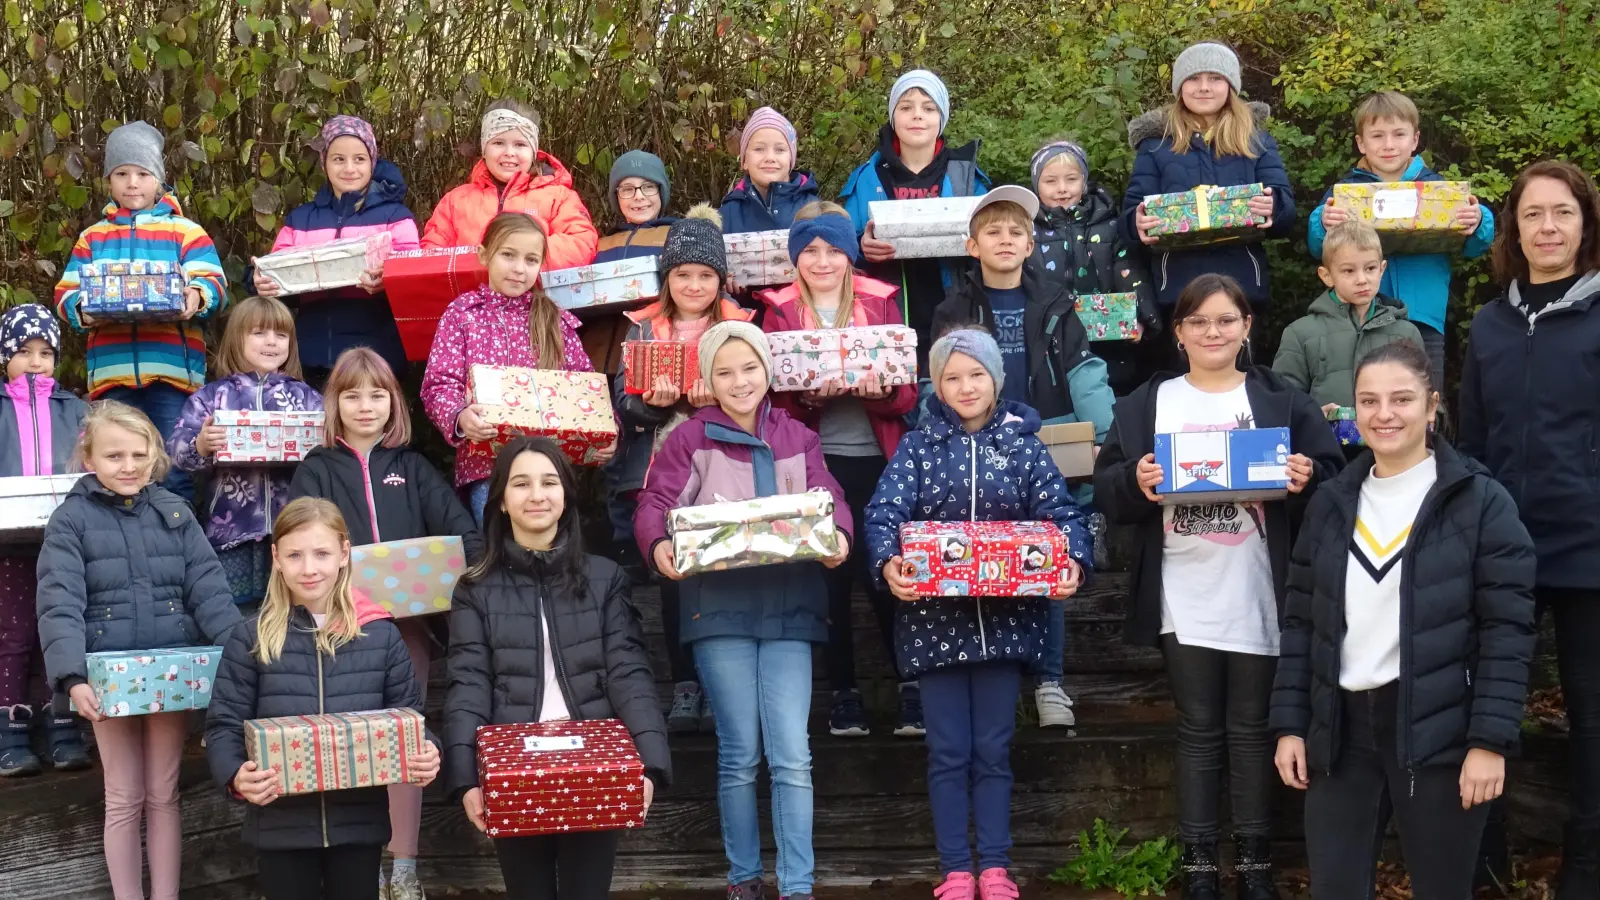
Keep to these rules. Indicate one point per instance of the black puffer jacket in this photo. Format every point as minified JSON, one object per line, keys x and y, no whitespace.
{"x":1466,"y":619}
{"x":371,"y":672}
{"x":497,"y":658}
{"x":410,"y":499}
{"x":126,"y":573}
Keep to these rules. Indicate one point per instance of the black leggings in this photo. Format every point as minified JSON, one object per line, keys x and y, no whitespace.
{"x":1577,"y":615}
{"x":858,"y":476}
{"x":342,"y":872}
{"x":575,"y":866}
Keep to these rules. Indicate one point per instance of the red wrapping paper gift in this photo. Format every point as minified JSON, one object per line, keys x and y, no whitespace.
{"x":421,"y":283}
{"x":983,"y":559}
{"x":554,"y":777}
{"x":642,"y":361}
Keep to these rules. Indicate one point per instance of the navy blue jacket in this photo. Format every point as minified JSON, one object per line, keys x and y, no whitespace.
{"x":744,"y":210}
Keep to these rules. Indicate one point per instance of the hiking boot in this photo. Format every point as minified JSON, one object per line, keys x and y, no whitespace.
{"x":910,"y":711}
{"x":67,"y":753}
{"x":688,"y":705}
{"x":1200,"y":875}
{"x":405,"y":886}
{"x":1252,"y":864}
{"x":1055,"y":707}
{"x":1579,"y":878}
{"x":16,"y":754}
{"x":996,"y":884}
{"x":847,"y":718}
{"x":754,"y":889}
{"x":957,"y":886}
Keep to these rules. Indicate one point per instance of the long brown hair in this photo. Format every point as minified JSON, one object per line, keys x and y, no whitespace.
{"x":342,"y":625}
{"x":544,"y":317}
{"x":359,"y":367}
{"x":246,"y":316}
{"x":669,"y":307}
{"x":1232,"y":134}
{"x":1509,"y":262}
{"x":847,"y":291}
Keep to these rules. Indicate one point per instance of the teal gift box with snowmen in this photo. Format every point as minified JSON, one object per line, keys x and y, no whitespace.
{"x":1109,"y":317}
{"x":140,"y":682}
{"x":409,"y":578}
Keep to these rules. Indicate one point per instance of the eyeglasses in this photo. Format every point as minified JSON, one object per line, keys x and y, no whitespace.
{"x":1225,"y":323}
{"x":648,"y":189}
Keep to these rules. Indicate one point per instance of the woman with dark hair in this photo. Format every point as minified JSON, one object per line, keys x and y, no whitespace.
{"x":1208,"y":580}
{"x":1529,"y":413}
{"x":539,"y":632}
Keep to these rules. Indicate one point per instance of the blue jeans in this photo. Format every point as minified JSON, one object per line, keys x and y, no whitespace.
{"x":760,"y":692}
{"x":478,"y":499}
{"x":970,"y":714}
{"x":163,"y":403}
{"x":1055,"y":644}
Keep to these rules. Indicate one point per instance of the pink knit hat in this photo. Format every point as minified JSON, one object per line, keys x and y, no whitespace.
{"x":767,"y":117}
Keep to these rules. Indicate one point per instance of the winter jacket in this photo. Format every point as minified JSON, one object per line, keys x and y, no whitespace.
{"x":744,"y":209}
{"x":1419,"y":280}
{"x":1529,"y":412}
{"x":634,"y":241}
{"x":371,"y":672}
{"x":1275,"y":404}
{"x":1066,"y":382}
{"x":874,"y":305}
{"x":483,"y":327}
{"x":329,"y":322}
{"x":245,"y":500}
{"x":1319,"y":351}
{"x":1158,"y":169}
{"x":932,"y":479}
{"x":126,"y":573}
{"x":40,"y":422}
{"x":497,"y":655}
{"x":136,"y":354}
{"x":1466,"y":619}
{"x":709,"y":459}
{"x":464,"y":214}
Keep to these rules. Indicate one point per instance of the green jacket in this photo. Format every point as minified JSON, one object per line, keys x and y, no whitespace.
{"x":1319,"y":351}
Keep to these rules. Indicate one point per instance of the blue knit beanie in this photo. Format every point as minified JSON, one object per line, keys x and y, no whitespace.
{"x":974,"y":342}
{"x":837,"y":230}
{"x":21,"y":324}
{"x":929,"y":84}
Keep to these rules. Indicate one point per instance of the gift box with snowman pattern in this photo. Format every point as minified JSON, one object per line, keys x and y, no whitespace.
{"x":140,"y":682}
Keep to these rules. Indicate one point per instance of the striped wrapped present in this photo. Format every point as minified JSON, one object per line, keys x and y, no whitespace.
{"x":335,"y":751}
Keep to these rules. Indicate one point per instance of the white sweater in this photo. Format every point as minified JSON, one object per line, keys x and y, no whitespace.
{"x":1370,"y":657}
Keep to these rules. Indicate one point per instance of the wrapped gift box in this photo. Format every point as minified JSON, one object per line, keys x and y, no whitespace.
{"x":421,"y":283}
{"x":257,"y":438}
{"x":764,"y":531}
{"x":611,"y":285}
{"x":141,"y":290}
{"x":1206,"y":215}
{"x":1223,"y":466}
{"x":335,"y":264}
{"x":413,"y":577}
{"x":335,"y":751}
{"x":555,"y":777}
{"x":574,"y":408}
{"x":757,"y":258}
{"x":644,"y":361}
{"x":1343,"y":422}
{"x":931,"y":217}
{"x":1409,"y":216}
{"x":937,"y":247}
{"x":1071,"y":445}
{"x":983,"y":559}
{"x":806,"y":360}
{"x":141,"y":682}
{"x":1110,"y":317}
{"x":27,"y":502}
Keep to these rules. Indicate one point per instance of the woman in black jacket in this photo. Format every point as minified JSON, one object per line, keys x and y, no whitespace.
{"x":1208,"y":578}
{"x":310,"y":651}
{"x":540,"y":632}
{"x":1406,"y":642}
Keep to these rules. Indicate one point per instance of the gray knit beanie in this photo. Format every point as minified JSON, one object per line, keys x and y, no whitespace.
{"x":974,"y":342}
{"x":696,"y":238}
{"x":1206,"y":56}
{"x":639,"y":164}
{"x":730,"y":330}
{"x":136,"y":144}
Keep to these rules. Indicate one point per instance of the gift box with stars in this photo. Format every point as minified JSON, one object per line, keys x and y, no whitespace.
{"x":983,"y":559}
{"x":338,"y":751}
{"x":557,"y":777}
{"x":141,"y":682}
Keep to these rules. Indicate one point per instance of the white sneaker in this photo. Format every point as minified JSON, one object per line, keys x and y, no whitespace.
{"x":1055,"y":707}
{"x":405,"y":886}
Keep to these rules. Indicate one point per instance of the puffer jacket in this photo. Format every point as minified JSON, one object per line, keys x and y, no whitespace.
{"x":744,"y":209}
{"x":245,"y":500}
{"x":1466,"y":619}
{"x":126,"y":573}
{"x":1158,"y":169}
{"x":935,"y":477}
{"x":392,"y":487}
{"x":497,"y":655}
{"x":371,"y":672}
{"x":546,"y":193}
{"x":1319,"y":351}
{"x":40,"y":422}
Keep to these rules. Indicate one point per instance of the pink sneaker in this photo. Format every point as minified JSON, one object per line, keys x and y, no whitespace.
{"x":995,"y":884}
{"x":956,"y":886}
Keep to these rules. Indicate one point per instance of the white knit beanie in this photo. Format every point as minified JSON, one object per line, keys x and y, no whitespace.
{"x":723,"y":332}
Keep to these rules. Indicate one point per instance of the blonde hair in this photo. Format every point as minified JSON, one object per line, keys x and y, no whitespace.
{"x":110,"y":412}
{"x":246,"y":316}
{"x":362,"y":366}
{"x":1353,"y":233}
{"x":544,"y":317}
{"x":847,"y":290}
{"x":1387,"y":105}
{"x":1232,"y":134}
{"x":342,"y":625}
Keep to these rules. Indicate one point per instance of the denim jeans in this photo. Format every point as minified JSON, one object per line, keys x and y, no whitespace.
{"x":478,"y":499}
{"x":971,"y":714}
{"x":163,"y":403}
{"x":760,"y":692}
{"x":1055,"y":644}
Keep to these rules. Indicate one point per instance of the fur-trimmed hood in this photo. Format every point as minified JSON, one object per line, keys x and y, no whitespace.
{"x":1153,"y":123}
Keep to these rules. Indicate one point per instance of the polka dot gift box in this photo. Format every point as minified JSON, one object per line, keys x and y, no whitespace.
{"x":557,"y":777}
{"x":409,"y":578}
{"x":1410,"y":216}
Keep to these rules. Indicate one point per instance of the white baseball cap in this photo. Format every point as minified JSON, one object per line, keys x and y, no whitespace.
{"x":1009,"y":193}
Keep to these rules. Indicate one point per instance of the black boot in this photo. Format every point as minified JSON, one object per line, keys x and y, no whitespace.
{"x":1579,"y":878}
{"x":1200,"y":872}
{"x":16,"y":756}
{"x":1252,"y":866}
{"x":67,"y":753}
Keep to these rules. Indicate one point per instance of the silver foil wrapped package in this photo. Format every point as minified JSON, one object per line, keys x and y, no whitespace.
{"x":736,"y":534}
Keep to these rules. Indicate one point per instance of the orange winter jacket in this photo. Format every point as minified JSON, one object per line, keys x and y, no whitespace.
{"x":463,"y":214}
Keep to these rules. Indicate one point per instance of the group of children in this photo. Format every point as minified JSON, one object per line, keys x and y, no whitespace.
{"x":541,"y":631}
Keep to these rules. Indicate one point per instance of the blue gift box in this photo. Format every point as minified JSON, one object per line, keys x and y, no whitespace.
{"x":131,"y":291}
{"x":139,"y":682}
{"x":1343,"y":423}
{"x":1219,"y":466}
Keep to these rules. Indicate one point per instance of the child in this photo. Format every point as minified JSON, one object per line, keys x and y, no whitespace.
{"x":126,"y":566}
{"x":1319,"y":351}
{"x":771,"y":190}
{"x":968,"y":653}
{"x":514,"y":175}
{"x":363,"y":195}
{"x":538,"y":598}
{"x":151,"y":366}
{"x":258,"y":367}
{"x":507,"y":322}
{"x":751,"y":629}
{"x":913,"y":161}
{"x":1076,"y":241}
{"x":312,"y":650}
{"x":39,"y":425}
{"x":1387,"y":135}
{"x":639,"y":196}
{"x":1368,"y":588}
{"x":1207,"y":135}
{"x":859,"y":430}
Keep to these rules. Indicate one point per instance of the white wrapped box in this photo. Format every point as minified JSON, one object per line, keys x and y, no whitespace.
{"x":256,"y":437}
{"x":928,"y":247}
{"x":932,"y":217}
{"x":26,"y":502}
{"x":617,"y":284}
{"x":759,"y":258}
{"x":335,"y":264}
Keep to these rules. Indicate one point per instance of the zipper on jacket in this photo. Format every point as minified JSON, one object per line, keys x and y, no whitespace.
{"x":549,"y":622}
{"x":1430,"y":505}
{"x":1164,"y":270}
{"x":972,"y":512}
{"x":266,"y":477}
{"x":33,"y":419}
{"x":322,"y":800}
{"x":1254,"y":264}
{"x":366,"y":483}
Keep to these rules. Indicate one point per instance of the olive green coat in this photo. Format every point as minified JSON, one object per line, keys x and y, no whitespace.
{"x":1319,"y":351}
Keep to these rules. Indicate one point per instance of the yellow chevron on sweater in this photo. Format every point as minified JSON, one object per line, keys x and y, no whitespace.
{"x":1374,"y":555}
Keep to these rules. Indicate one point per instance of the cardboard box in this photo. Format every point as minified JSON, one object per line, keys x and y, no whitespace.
{"x":622,"y":284}
{"x":558,"y":777}
{"x":1206,"y":215}
{"x":1410,"y":216}
{"x":337,"y":751}
{"x":257,"y":438}
{"x":931,"y":217}
{"x":1223,"y":466}
{"x":574,"y":408}
{"x":809,"y":359}
{"x":141,"y":682}
{"x":414,"y":577}
{"x":27,"y":502}
{"x":983,"y":559}
{"x":322,"y":267}
{"x":1343,"y":423}
{"x":421,"y":283}
{"x":1110,"y":317}
{"x":1071,"y":445}
{"x":644,"y":361}
{"x":758,"y":258}
{"x":137,"y":291}
{"x":765,"y":531}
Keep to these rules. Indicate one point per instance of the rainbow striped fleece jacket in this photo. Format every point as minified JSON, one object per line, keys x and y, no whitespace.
{"x":136,"y":354}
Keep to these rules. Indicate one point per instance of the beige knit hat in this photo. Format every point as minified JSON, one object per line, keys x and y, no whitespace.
{"x":723,"y":332}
